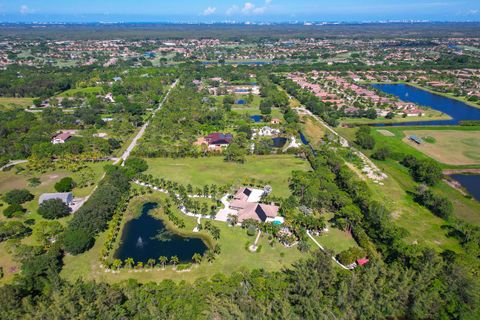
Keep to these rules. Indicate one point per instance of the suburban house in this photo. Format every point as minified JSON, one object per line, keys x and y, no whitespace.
{"x":66,"y":197}
{"x":215,"y":141}
{"x":266,"y":131}
{"x":275,"y":121}
{"x":246,"y":203}
{"x":62,"y":137}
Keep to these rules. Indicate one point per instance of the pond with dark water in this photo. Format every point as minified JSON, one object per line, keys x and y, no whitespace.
{"x":471,"y":182}
{"x":458,"y":110}
{"x":146,"y":237}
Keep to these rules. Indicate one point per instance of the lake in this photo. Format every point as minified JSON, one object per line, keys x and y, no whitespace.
{"x":471,"y":182}
{"x":146,"y":237}
{"x":458,"y":110}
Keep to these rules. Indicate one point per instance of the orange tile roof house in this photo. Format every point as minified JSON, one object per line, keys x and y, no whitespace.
{"x":252,"y":209}
{"x":61,"y":137}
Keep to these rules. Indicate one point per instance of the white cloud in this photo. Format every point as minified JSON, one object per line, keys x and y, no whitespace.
{"x":24,"y":9}
{"x":249,"y":8}
{"x":473,"y":11}
{"x":209,"y":11}
{"x":232,"y":10}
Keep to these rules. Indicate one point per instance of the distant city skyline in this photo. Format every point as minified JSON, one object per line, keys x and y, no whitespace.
{"x":237,"y":11}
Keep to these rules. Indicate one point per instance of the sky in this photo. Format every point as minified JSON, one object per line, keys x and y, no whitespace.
{"x":235,"y":10}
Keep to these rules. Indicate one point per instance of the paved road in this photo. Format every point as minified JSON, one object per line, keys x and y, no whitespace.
{"x":140,"y":133}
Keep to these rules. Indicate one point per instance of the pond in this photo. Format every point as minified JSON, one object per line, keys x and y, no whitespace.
{"x":279,"y":142}
{"x":146,"y":237}
{"x":470,"y":182}
{"x":256,"y":118}
{"x":458,"y":110}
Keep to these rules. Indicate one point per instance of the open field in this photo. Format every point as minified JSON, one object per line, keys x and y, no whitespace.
{"x":11,"y":180}
{"x":273,"y":169}
{"x":449,"y":146}
{"x":88,"y":90}
{"x":15,"y":102}
{"x":312,"y":130}
{"x":400,"y":180}
{"x":234,"y":256}
{"x":430,"y":115}
{"x":251,"y":111}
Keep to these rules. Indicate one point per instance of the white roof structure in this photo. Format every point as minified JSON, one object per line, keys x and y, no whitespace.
{"x":66,"y":197}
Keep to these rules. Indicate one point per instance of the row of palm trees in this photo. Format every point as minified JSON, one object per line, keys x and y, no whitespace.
{"x":129,"y":263}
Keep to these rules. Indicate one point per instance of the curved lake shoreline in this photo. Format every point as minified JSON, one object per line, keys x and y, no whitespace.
{"x":147,"y":237}
{"x":470,"y":182}
{"x":456,"y":109}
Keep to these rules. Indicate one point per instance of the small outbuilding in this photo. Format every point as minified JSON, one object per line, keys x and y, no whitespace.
{"x":66,"y":197}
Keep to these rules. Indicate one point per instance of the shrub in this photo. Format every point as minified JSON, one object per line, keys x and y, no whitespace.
{"x":427,"y":171}
{"x":53,"y":209}
{"x":136,"y":165}
{"x":251,"y":230}
{"x":76,"y":241}
{"x":350,"y":255}
{"x":13,"y":209}
{"x":364,"y":139}
{"x":18,"y":196}
{"x":381,"y":154}
{"x":65,"y":185}
{"x":439,"y":205}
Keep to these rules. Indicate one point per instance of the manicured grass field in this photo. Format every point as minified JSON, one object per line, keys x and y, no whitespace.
{"x":450,"y":146}
{"x":233,"y":257}
{"x":273,"y":169}
{"x":15,"y":102}
{"x":251,"y":111}
{"x":88,"y":90}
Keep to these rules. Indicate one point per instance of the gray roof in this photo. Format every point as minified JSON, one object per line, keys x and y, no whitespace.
{"x":66,"y":197}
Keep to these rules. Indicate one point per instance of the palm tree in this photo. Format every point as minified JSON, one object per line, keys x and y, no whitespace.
{"x":129,"y":263}
{"x":163,"y":260}
{"x":139,"y":265}
{"x":197,"y":258}
{"x":174,"y":260}
{"x":116,"y":264}
{"x":210,"y":256}
{"x":151,"y":263}
{"x":215,"y":233}
{"x":233,"y":218}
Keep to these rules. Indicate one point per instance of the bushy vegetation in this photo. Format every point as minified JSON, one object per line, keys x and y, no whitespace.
{"x":53,"y":209}
{"x":65,"y":185}
{"x":94,"y":215}
{"x":17,"y":196}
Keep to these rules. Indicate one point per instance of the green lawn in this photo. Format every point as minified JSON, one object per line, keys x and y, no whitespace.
{"x":274,"y":169}
{"x":430,"y":115}
{"x":251,"y":111}
{"x":88,"y":90}
{"x":15,"y":102}
{"x":234,"y":257}
{"x":335,"y":239}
